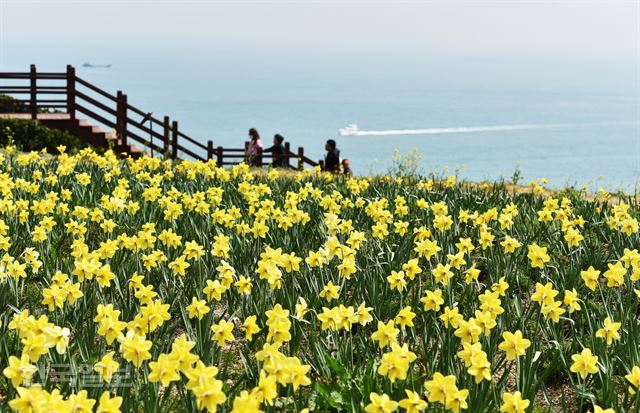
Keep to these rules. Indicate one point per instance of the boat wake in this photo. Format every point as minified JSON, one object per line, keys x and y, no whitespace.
{"x":352,"y":130}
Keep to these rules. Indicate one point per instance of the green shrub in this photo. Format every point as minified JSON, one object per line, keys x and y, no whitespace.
{"x":31,"y":135}
{"x":9,"y":105}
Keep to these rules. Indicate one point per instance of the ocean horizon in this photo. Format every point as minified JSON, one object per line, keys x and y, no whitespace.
{"x":574,"y":123}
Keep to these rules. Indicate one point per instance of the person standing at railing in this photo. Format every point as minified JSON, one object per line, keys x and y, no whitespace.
{"x":253,"y":153}
{"x":332,"y":158}
{"x":278,"y":151}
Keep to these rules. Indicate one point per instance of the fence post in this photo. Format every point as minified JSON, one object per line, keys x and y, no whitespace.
{"x":209,"y":150}
{"x":71,"y":91}
{"x":321,"y":163}
{"x":34,"y":98}
{"x":174,"y":140}
{"x":121,"y":121}
{"x":165,"y":135}
{"x":259,"y":160}
{"x":219,"y":160}
{"x":247,"y":159}
{"x":300,"y":156}
{"x":287,"y":152}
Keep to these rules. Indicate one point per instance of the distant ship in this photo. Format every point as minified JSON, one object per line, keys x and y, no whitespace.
{"x":90,"y":65}
{"x":351,"y":129}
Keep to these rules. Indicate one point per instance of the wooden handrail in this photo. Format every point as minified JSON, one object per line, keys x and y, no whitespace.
{"x":46,"y":101}
{"x":192,"y":140}
{"x":264,"y":155}
{"x":138,"y":111}
{"x":40,"y":89}
{"x":50,"y":75}
{"x":61,"y":89}
{"x":239,"y":155}
{"x":143,"y":114}
{"x":95,"y":89}
{"x":146,"y":129}
{"x":308,"y":161}
{"x":96,"y":103}
{"x":94,"y":115}
{"x":191,"y":154}
{"x":39,"y":75}
{"x":145,"y":142}
{"x":91,"y":99}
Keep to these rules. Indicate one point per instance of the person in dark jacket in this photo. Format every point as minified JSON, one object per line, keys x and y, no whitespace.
{"x":278,"y":151}
{"x":332,"y":159}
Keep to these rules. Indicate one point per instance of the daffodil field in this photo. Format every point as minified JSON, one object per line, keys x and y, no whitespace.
{"x":154,"y":286}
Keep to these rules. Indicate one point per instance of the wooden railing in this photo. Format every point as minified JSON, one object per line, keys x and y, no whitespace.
{"x":231,"y":156}
{"x":66,"y":92}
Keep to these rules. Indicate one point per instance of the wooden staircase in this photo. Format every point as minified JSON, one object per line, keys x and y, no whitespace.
{"x":83,"y":129}
{"x":65,"y":101}
{"x":57,"y":98}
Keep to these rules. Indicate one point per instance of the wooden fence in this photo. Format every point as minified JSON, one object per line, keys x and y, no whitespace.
{"x":65,"y":92}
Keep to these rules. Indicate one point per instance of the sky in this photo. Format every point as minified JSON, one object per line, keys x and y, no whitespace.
{"x":578,"y":30}
{"x":314,"y":66}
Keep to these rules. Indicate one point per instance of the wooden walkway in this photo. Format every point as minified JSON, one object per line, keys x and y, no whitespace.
{"x":135,"y":132}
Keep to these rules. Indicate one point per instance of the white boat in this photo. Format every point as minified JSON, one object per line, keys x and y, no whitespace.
{"x":351,"y":129}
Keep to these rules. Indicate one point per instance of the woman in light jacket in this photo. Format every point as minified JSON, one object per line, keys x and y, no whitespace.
{"x":253,"y":153}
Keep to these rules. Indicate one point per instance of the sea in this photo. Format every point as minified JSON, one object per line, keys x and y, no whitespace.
{"x":572,"y":122}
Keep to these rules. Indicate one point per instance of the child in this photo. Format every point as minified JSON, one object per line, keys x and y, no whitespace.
{"x":346,"y":169}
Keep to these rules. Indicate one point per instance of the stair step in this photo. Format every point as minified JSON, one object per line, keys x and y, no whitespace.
{"x":39,"y":116}
{"x":85,"y":130}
